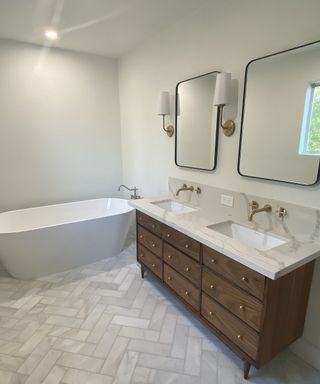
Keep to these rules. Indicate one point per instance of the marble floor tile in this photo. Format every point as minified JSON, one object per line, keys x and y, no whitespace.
{"x":73,"y":360}
{"x":55,"y":375}
{"x":102,"y":324}
{"x":126,"y":368}
{"x":150,"y":347}
{"x":76,"y":376}
{"x":130,"y":321}
{"x":106,"y":342}
{"x":113,"y":360}
{"x":43,"y":368}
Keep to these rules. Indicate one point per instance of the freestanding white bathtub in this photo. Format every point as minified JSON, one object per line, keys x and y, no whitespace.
{"x":38,"y":241}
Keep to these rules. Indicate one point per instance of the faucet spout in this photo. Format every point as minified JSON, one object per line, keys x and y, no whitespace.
{"x":266,"y":208}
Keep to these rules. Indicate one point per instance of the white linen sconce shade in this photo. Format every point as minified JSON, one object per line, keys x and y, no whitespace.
{"x":164,"y":110}
{"x":222,"y":97}
{"x":222,"y":94}
{"x":164,"y":103}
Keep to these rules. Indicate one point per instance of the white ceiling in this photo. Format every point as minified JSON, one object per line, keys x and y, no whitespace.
{"x":106,"y":27}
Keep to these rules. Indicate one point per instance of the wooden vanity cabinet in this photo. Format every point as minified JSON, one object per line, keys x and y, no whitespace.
{"x":256,"y":317}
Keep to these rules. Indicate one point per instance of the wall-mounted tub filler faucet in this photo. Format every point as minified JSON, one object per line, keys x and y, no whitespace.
{"x":255,"y":209}
{"x":134,"y":189}
{"x":186,"y":188}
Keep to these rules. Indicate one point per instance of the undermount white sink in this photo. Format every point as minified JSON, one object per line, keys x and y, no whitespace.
{"x":173,"y":206}
{"x":258,"y":240}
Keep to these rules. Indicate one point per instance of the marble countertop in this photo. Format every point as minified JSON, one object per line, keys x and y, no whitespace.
{"x":272,"y":263}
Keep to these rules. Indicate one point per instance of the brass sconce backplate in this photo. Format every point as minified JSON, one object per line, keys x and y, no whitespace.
{"x":229,"y":127}
{"x":169,"y":130}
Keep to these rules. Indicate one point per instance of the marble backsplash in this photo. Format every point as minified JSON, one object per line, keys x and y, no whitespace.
{"x":301,"y":223}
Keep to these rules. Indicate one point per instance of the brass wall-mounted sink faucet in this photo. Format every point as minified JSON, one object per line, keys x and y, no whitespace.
{"x":255,"y":209}
{"x":186,"y":188}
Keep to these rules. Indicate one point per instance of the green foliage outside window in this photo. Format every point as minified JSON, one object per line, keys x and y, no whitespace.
{"x":313,"y":144}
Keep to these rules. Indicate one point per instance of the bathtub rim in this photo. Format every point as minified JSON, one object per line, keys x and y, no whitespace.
{"x":31,"y":229}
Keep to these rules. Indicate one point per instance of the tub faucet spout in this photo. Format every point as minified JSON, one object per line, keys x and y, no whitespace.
{"x":134,"y":196}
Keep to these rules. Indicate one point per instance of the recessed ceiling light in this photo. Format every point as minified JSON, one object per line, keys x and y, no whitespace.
{"x":51,"y":34}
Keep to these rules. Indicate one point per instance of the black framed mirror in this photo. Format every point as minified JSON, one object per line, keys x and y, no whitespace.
{"x":196,"y":122}
{"x":281,"y":117}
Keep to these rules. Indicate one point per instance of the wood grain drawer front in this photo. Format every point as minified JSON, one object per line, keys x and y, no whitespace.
{"x":149,"y":223}
{"x":150,"y":241}
{"x":182,"y":263}
{"x":187,"y":291}
{"x":183,"y":242}
{"x":238,"y":332}
{"x":248,"y":308}
{"x":150,"y":260}
{"x":249,"y":280}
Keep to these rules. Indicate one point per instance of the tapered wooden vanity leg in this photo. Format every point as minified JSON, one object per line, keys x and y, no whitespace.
{"x":246,"y":369}
{"x":142,"y":271}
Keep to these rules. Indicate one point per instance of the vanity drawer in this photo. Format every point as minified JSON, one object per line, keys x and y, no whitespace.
{"x":182,"y":287}
{"x":149,"y":260}
{"x":234,"y":329}
{"x":243,"y":305}
{"x":149,"y":223}
{"x":182,"y":263}
{"x":150,"y":241}
{"x":249,"y":280}
{"x":184,"y":243}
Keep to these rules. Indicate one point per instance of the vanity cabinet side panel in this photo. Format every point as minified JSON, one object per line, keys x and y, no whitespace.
{"x":285,"y":306}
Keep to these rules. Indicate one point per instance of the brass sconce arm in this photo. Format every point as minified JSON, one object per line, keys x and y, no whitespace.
{"x":228,"y":126}
{"x":169,"y":129}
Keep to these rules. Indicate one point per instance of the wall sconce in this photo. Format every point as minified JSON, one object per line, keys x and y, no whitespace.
{"x":222,"y":97}
{"x":164,"y":110}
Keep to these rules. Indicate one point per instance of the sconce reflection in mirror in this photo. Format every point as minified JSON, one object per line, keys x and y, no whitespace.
{"x":164,"y":110}
{"x":222,"y":97}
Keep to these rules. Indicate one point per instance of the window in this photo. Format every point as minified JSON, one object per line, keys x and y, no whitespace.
{"x":310,"y":131}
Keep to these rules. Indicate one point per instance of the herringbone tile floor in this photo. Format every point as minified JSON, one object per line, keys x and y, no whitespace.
{"x":102,"y":323}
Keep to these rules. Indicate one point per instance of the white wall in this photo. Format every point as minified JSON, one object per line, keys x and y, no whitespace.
{"x":225,"y":35}
{"x":59,"y":126}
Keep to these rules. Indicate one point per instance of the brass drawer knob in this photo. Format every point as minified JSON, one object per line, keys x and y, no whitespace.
{"x":168,"y":235}
{"x":187,"y":269}
{"x":169,"y":257}
{"x":213,"y":261}
{"x":141,"y":254}
{"x":187,"y":246}
{"x":211,"y":286}
{"x":239,"y":337}
{"x":169,"y":278}
{"x":210,"y":313}
{"x":187,"y":293}
{"x":241,"y":307}
{"x":141,"y":237}
{"x":244,"y":278}
{"x":153,"y":226}
{"x":153,"y":265}
{"x":154,"y":245}
{"x":140,"y":218}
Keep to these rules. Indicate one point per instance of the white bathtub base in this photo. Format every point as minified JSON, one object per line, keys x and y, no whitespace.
{"x":35,"y":253}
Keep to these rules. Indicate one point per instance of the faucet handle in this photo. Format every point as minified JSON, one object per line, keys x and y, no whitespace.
{"x":254,"y":204}
{"x":281,"y":212}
